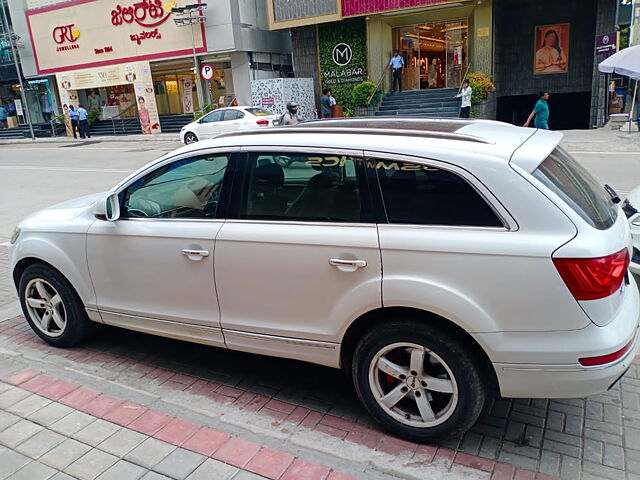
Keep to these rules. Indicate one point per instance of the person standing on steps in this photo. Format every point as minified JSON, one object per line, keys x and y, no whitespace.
{"x":83,"y":122}
{"x":465,"y":94}
{"x":540,"y":112}
{"x":73,"y":116}
{"x":325,"y":102}
{"x":396,"y":64}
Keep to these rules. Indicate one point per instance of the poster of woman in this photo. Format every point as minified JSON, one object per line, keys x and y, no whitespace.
{"x":551,"y":49}
{"x":143,"y":113}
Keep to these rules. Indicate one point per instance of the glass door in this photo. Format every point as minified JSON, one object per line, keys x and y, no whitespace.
{"x":456,"y":45}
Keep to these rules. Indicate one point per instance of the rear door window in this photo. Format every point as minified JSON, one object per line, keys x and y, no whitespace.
{"x":424,"y":195}
{"x":578,"y":189}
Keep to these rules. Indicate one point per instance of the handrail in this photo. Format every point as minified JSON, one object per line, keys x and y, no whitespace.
{"x":122,"y":120}
{"x":384,"y":71}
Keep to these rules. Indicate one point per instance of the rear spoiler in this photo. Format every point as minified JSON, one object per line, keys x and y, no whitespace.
{"x":535,"y":150}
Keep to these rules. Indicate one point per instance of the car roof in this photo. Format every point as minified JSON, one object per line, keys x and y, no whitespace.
{"x":419,"y":136}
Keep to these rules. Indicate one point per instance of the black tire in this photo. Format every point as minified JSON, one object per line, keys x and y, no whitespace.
{"x":190,"y":138}
{"x":77,"y":325}
{"x":404,"y":418}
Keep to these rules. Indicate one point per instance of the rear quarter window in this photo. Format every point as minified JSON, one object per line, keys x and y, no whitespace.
{"x":578,"y":189}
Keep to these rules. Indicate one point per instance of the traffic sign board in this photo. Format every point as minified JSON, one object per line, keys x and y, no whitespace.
{"x":207,"y":72}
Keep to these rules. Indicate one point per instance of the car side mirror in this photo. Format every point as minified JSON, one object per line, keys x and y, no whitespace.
{"x":108,"y":208}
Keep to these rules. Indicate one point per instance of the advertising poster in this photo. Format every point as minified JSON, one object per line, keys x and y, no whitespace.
{"x":187,"y":94}
{"x":343,"y":57}
{"x":551,"y":49}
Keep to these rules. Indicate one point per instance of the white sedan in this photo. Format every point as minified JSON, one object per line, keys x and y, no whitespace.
{"x":224,"y":120}
{"x":631,"y":207}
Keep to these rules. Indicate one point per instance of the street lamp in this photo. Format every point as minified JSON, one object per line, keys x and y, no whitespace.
{"x":13,"y":42}
{"x":191,"y":15}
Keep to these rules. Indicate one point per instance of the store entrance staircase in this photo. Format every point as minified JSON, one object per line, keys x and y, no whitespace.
{"x":423,"y":103}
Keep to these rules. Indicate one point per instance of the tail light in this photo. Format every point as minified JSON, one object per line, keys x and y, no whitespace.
{"x":593,"y":278}
{"x":604,"y":359}
{"x":263,"y":122}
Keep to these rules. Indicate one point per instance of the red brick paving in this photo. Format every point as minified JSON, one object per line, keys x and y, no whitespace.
{"x":300,"y":470}
{"x":150,"y":422}
{"x":270,"y":463}
{"x":100,"y":406}
{"x":125,"y":413}
{"x":236,"y":452}
{"x":206,"y":441}
{"x":176,"y":432}
{"x":57,"y":390}
{"x":78,"y":397}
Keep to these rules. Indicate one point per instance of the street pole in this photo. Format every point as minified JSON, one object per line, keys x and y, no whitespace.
{"x":195,"y":62}
{"x":20,"y":82}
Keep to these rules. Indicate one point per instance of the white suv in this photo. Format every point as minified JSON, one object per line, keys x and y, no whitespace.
{"x":425,"y":257}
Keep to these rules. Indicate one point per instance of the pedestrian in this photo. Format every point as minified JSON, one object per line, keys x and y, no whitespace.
{"x":540,"y":112}
{"x":291,"y":116}
{"x":465,"y":93}
{"x":3,"y":116}
{"x":325,"y":102}
{"x":396,"y":63}
{"x":73,"y":115}
{"x":83,"y":122}
{"x":12,"y":109}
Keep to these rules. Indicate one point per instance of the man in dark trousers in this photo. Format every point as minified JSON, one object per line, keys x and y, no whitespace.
{"x":325,"y":101}
{"x":83,"y":123}
{"x":73,"y":116}
{"x":396,"y":64}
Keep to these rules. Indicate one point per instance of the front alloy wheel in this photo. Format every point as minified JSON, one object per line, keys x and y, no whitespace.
{"x":45,"y":307}
{"x":190,"y":138}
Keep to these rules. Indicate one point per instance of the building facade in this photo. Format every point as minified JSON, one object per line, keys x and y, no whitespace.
{"x":129,"y":57}
{"x":512,"y":41}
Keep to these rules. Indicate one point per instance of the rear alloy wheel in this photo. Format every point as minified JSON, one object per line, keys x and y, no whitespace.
{"x":190,"y":138}
{"x":52,"y":307}
{"x":417,"y":381}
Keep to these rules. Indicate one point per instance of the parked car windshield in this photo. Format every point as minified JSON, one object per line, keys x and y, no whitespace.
{"x":258,"y":112}
{"x":571,"y":182}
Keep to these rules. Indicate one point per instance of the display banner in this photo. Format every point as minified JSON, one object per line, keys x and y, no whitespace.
{"x":187,"y":94}
{"x":90,"y":33}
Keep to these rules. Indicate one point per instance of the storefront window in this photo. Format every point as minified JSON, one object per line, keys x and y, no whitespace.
{"x":435,"y":54}
{"x":176,"y":94}
{"x":38,"y":95}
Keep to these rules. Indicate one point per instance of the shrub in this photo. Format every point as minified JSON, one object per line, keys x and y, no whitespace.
{"x":93,"y":116}
{"x":481,"y":85}
{"x":361,"y":93}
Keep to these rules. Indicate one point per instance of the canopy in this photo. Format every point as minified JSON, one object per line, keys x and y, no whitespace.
{"x":626,"y":62}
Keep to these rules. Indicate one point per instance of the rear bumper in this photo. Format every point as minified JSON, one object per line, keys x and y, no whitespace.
{"x":545,"y":364}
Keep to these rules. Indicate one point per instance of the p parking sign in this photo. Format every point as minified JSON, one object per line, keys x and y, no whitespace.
{"x":207,"y":72}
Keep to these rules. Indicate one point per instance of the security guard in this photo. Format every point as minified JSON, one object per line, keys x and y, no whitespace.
{"x":396,"y":63}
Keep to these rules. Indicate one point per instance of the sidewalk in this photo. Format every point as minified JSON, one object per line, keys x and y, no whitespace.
{"x":159,"y":137}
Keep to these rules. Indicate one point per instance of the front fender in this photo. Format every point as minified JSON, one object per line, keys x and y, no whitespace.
{"x":443,"y":300}
{"x":70,"y":261}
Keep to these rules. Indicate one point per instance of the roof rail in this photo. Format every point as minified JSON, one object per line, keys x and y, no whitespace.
{"x":358,"y":130}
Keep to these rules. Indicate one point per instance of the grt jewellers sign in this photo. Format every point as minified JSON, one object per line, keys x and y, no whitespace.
{"x":94,"y":33}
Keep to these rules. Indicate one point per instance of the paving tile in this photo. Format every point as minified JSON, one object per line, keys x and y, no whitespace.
{"x":96,"y":432}
{"x":11,"y":396}
{"x":213,"y":469}
{"x":154,"y":476}
{"x":79,"y":397}
{"x":40,"y":443}
{"x":21,"y":377}
{"x":150,"y":422}
{"x":72,"y":423}
{"x":58,"y":389}
{"x":7,"y":419}
{"x":236,"y":452}
{"x":176,"y":432}
{"x":125,"y":413}
{"x":300,"y":470}
{"x":179,"y":464}
{"x":149,"y":453}
{"x":270,"y":463}
{"x":65,"y":454}
{"x":244,"y":475}
{"x":37,"y":383}
{"x":206,"y":441}
{"x":101,"y":405}
{"x":18,"y":433}
{"x":11,"y":462}
{"x":62,"y":476}
{"x":90,"y":465}
{"x":50,"y":414}
{"x":340,"y":476}
{"x":122,"y":442}
{"x":34,"y":471}
{"x":124,"y":470}
{"x":28,"y":405}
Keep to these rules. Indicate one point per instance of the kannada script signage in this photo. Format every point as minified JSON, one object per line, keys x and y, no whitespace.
{"x":90,"y":33}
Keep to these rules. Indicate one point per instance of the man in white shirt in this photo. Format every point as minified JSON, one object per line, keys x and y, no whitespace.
{"x":396,"y":63}
{"x":465,"y":93}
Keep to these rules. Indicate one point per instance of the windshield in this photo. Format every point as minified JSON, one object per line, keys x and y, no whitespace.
{"x":571,"y":182}
{"x":258,"y":112}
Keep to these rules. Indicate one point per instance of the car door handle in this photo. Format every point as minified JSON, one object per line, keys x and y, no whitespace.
{"x":196,"y":254}
{"x":347,"y":265}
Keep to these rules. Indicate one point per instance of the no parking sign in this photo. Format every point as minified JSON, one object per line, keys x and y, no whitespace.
{"x":207,"y":72}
